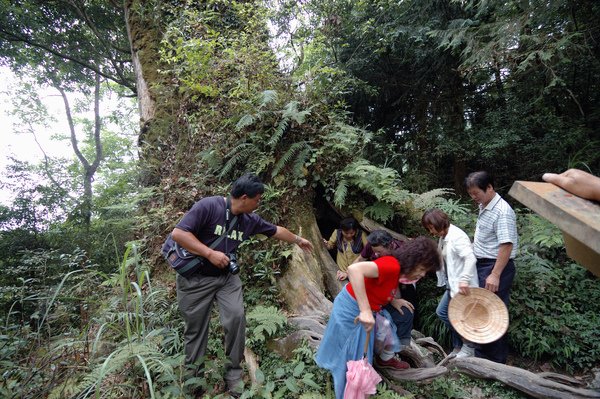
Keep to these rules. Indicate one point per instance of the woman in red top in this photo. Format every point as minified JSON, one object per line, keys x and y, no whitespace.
{"x":373,"y":284}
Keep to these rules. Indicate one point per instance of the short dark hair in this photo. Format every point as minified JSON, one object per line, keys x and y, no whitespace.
{"x":481,"y":179}
{"x":380,"y":238}
{"x":435,"y":218}
{"x":421,"y":251}
{"x":349,"y":224}
{"x":248,"y":184}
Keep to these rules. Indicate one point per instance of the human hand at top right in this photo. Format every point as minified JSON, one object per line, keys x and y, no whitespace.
{"x":577,"y":182}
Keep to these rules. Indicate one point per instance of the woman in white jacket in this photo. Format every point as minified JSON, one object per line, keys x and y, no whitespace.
{"x":459,"y":272}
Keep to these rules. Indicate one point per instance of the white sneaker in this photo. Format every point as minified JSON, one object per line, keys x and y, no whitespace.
{"x":466,"y":351}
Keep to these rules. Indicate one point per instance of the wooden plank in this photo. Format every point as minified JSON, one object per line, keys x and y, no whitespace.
{"x":578,"y":218}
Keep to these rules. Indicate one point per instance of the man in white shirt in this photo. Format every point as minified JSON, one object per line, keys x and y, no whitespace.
{"x":495,"y":246}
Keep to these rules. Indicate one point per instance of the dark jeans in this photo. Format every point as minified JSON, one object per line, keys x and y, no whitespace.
{"x":496,"y":351}
{"x":403,"y":322}
{"x":409,"y":292}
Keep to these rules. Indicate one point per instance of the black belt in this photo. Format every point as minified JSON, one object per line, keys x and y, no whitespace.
{"x":485,"y":260}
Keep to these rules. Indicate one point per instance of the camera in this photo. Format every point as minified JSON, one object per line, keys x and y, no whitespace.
{"x":234,"y":268}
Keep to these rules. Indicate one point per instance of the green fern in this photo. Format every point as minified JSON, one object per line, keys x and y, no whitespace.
{"x":430,"y":199}
{"x":343,"y":139}
{"x":264,"y":322}
{"x":382,"y":183}
{"x":300,"y":147}
{"x":267,"y":97}
{"x":291,"y":112}
{"x":279,"y":131}
{"x":239,"y":154}
{"x":341,"y":191}
{"x":147,"y":354}
{"x":380,"y":211}
{"x":212,"y":159}
{"x":244,"y":121}
{"x":301,"y":160}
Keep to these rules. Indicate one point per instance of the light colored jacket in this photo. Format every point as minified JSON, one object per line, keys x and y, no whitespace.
{"x":459,"y":260}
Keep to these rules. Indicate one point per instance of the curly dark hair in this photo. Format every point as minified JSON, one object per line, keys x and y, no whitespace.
{"x":420,"y":251}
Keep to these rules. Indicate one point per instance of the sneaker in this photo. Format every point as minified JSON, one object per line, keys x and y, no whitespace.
{"x":454,"y":352}
{"x":393,"y":364}
{"x":465,"y":351}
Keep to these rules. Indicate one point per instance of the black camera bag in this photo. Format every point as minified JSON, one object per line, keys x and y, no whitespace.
{"x":186,"y":263}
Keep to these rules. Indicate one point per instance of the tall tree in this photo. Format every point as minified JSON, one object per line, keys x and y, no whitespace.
{"x":72,"y":46}
{"x":221,"y":106}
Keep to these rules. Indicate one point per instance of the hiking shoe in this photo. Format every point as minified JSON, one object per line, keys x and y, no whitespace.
{"x":235,"y":388}
{"x":465,"y":351}
{"x":393,"y":364}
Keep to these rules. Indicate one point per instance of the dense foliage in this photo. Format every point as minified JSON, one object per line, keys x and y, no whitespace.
{"x":554,"y":308}
{"x":511,"y":87}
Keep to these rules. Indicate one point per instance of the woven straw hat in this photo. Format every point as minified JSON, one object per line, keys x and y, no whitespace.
{"x":479,"y":317}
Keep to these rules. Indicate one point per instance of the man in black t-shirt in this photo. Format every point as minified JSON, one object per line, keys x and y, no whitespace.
{"x":197,"y":230}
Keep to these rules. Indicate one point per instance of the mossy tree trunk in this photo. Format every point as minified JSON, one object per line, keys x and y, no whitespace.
{"x":178,"y":124}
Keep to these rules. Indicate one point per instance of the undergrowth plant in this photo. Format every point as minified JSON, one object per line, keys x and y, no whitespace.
{"x":555,"y":303}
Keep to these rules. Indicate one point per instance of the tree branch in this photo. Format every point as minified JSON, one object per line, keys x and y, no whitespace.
{"x":74,"y":143}
{"x":17,"y":38}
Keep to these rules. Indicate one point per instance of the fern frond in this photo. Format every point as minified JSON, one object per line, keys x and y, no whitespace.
{"x":300,"y":161}
{"x":291,"y":112}
{"x":339,"y":197}
{"x":383,"y":183}
{"x":341,"y":138}
{"x":380,"y":211}
{"x":212,"y":159}
{"x":267,"y":97}
{"x":289,"y":154}
{"x":279,"y":131}
{"x":430,"y":199}
{"x":240,"y":153}
{"x":244,"y":121}
{"x":265,"y":321}
{"x":147,"y":353}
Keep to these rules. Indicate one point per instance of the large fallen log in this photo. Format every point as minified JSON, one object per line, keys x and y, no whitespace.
{"x":535,"y":385}
{"x":419,"y":374}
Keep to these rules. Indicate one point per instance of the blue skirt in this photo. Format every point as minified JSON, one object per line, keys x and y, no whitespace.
{"x":343,"y":341}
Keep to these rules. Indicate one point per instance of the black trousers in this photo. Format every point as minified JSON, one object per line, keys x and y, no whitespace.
{"x":496,"y":351}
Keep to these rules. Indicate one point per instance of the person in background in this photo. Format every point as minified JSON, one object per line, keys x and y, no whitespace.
{"x":495,"y":247}
{"x":197,"y":230}
{"x":373,"y":284}
{"x":578,"y":182}
{"x":458,"y":273}
{"x":381,"y":243}
{"x":349,"y":240}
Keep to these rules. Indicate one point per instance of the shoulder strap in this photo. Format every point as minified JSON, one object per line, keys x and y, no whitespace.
{"x":228,"y":226}
{"x":222,"y":236}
